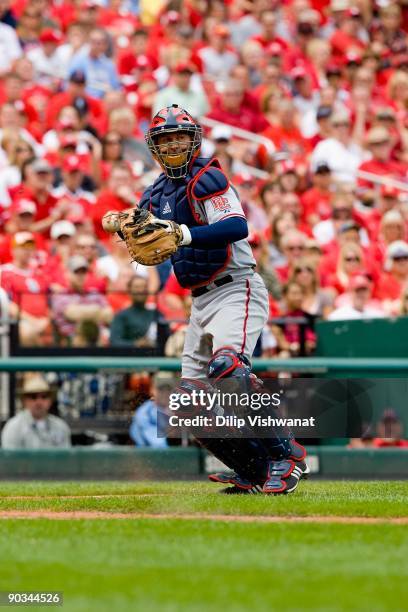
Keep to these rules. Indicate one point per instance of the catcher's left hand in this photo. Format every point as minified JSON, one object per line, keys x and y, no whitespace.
{"x":149,"y":240}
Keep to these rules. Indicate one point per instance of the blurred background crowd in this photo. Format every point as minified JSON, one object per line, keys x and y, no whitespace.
{"x":305,"y":104}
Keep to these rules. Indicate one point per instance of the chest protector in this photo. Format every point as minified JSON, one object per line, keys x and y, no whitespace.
{"x":181,"y":200}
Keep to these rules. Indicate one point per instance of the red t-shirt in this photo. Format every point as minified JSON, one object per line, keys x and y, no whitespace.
{"x":288,"y":139}
{"x":64,"y":98}
{"x":388,"y":288}
{"x":106,"y":201}
{"x":44,"y":206}
{"x":384,"y":443}
{"x":245,"y":118}
{"x":316,"y":202}
{"x":389,"y":168}
{"x":27,"y":288}
{"x":5,"y":246}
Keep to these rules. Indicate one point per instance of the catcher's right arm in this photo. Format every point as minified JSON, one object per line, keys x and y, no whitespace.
{"x":149,"y":240}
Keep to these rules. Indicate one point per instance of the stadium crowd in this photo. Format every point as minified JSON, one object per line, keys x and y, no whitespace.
{"x":320,"y":86}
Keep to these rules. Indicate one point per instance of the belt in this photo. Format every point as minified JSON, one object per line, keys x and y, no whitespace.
{"x":219,"y":282}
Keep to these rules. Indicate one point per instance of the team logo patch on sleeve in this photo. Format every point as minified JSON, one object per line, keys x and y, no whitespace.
{"x":220,"y":204}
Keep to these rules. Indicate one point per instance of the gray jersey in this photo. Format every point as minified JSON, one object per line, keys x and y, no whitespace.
{"x":222,"y":207}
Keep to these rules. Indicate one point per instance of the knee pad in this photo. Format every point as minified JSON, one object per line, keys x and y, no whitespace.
{"x":227,"y":363}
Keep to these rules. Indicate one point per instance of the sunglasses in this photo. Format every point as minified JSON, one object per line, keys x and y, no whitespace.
{"x":34,"y":396}
{"x":305,"y":269}
{"x":351,"y":259}
{"x":401,"y":258}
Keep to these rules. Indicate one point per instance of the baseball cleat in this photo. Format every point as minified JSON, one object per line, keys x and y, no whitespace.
{"x":231,"y":478}
{"x":298,"y":452}
{"x":284,"y":476}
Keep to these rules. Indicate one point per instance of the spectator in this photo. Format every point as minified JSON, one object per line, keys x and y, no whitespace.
{"x":182,"y":93}
{"x":36,"y":186}
{"x":45,"y":60}
{"x":112,"y":151}
{"x":316,"y":301}
{"x":293,"y":296}
{"x":34,"y":427}
{"x":390,"y":431}
{"x":13,"y":120}
{"x":10,"y":48}
{"x":232,"y":109}
{"x":264,"y":268}
{"x":218,"y":58}
{"x":349,"y":261}
{"x":18,"y":151}
{"x":117,"y":270}
{"x":117,"y":195}
{"x":27,"y":287}
{"x":341,"y":212}
{"x":147,"y":428}
{"x":99,"y":70}
{"x":293,"y":246}
{"x":76,"y":304}
{"x":380,"y":144}
{"x":360,"y":292}
{"x":135,"y":151}
{"x":395,"y":278}
{"x":340,"y":152}
{"x":316,"y":200}
{"x":76,"y":89}
{"x":136,"y":325}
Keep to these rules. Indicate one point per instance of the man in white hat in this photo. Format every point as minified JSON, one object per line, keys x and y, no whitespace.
{"x":34,"y":427}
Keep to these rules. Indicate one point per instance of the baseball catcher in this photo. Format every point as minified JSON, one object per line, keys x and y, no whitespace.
{"x":192,"y":214}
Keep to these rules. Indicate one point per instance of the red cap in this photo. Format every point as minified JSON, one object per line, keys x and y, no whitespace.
{"x":172,"y":17}
{"x":221,"y":30}
{"x":69,"y":139}
{"x":287,"y":167}
{"x":274,"y":49}
{"x":25,"y":206}
{"x":184,"y":67}
{"x":65,"y":123}
{"x":389,"y":192}
{"x":20,"y":106}
{"x":359,"y":281}
{"x":352,"y":57}
{"x":71,"y":163}
{"x":22,"y":238}
{"x":298,"y":72}
{"x":51,"y":36}
{"x":353,"y":11}
{"x":142,"y":61}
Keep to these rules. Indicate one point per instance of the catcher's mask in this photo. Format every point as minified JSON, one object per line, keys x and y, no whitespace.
{"x":174,"y":157}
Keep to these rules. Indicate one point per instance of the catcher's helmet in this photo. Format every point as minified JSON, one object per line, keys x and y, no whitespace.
{"x":170,"y":120}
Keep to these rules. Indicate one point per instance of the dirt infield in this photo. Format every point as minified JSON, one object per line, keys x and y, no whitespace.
{"x":91,"y":514}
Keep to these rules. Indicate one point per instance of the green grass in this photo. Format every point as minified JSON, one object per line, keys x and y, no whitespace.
{"x":342,"y":498}
{"x":180,"y":565}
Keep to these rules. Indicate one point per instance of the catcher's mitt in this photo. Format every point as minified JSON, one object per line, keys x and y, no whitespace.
{"x":149,"y":240}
